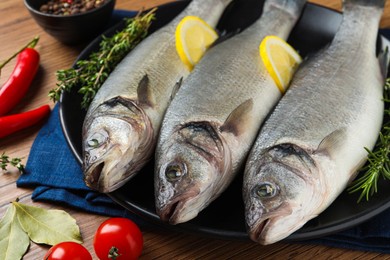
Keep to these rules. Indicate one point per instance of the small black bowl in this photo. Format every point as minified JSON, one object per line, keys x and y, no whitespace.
{"x":72,"y":29}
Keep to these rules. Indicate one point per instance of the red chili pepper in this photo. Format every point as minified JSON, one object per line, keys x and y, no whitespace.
{"x":19,"y":82}
{"x":13,"y":123}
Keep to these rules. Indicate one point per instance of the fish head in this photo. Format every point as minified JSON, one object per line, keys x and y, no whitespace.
{"x":189,"y":169}
{"x":280,"y":193}
{"x":116,"y":140}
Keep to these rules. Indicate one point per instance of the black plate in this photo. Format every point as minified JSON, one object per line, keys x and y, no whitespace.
{"x":224,"y":218}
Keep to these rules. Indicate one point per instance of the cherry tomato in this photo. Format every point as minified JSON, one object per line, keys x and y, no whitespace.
{"x":67,"y":251}
{"x":118,"y":238}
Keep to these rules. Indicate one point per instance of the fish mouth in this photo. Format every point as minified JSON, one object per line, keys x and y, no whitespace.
{"x":93,"y":176}
{"x":258,"y":232}
{"x":172,"y":212}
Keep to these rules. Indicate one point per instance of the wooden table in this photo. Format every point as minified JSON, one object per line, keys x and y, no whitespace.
{"x":16,"y":29}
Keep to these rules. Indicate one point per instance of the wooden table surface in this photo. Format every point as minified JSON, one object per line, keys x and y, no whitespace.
{"x":16,"y":29}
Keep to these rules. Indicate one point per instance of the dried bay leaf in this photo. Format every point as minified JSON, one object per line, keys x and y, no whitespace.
{"x":47,"y":226}
{"x":14,"y":242}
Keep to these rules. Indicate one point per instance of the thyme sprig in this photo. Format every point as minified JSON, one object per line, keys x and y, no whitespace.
{"x":378,"y":163}
{"x":6,"y":161}
{"x":88,"y":75}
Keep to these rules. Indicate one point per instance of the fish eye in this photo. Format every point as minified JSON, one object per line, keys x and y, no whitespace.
{"x":265,"y":190}
{"x":93,"y":143}
{"x":174,"y":172}
{"x":97,"y":140}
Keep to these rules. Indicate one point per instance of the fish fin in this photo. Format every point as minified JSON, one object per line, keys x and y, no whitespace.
{"x":145,"y":97}
{"x":238,"y":118}
{"x":384,"y":56}
{"x":176,"y":87}
{"x":332,"y":142}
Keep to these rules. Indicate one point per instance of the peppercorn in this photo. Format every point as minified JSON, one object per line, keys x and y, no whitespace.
{"x":69,"y":7}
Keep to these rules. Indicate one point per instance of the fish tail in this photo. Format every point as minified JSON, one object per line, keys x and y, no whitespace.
{"x":376,"y":3}
{"x":294,"y":7}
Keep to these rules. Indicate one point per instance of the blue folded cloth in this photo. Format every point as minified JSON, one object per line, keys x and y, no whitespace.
{"x":57,"y":177}
{"x":372,"y":235}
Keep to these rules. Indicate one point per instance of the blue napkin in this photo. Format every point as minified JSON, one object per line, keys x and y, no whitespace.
{"x":57,"y":177}
{"x":373,"y":235}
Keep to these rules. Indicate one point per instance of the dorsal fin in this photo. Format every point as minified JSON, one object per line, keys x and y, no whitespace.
{"x":145,"y":97}
{"x":225,"y":35}
{"x":176,"y":88}
{"x":332,"y":142}
{"x":238,"y":118}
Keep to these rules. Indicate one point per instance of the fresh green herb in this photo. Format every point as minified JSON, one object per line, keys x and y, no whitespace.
{"x":90,"y":74}
{"x":6,"y":161}
{"x":378,"y":164}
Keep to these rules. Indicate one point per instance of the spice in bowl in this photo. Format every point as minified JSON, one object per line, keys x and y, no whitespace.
{"x":69,"y":7}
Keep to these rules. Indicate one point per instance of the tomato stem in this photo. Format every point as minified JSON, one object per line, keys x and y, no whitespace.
{"x":113,"y":253}
{"x":31,"y":44}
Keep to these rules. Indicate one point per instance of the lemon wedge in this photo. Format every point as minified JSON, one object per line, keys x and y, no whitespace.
{"x":193,"y":37}
{"x":280,"y":60}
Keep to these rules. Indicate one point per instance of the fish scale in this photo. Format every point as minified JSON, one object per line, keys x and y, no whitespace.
{"x":215,"y":116}
{"x":332,"y":110}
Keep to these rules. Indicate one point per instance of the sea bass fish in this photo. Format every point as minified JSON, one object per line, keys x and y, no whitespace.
{"x":313,"y":142}
{"x":215,"y":116}
{"x":121,"y":126}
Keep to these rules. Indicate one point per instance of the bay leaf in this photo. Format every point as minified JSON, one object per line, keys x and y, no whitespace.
{"x":14,"y":242}
{"x":47,"y":226}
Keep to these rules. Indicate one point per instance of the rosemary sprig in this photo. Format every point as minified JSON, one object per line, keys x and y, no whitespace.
{"x":90,"y":74}
{"x":378,"y":163}
{"x":6,"y":161}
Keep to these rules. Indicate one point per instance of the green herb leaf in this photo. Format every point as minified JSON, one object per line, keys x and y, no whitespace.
{"x":6,"y":161}
{"x":47,"y":226}
{"x":14,"y":242}
{"x":88,"y":75}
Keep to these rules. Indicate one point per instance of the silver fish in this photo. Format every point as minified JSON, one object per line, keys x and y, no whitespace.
{"x":313,"y":143}
{"x":215,"y":116}
{"x":121,"y":126}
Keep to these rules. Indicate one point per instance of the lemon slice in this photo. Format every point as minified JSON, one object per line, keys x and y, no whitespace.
{"x":193,"y":37}
{"x":280,"y":60}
